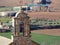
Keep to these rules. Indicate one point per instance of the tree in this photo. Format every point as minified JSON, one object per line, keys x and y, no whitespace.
{"x":43,"y":1}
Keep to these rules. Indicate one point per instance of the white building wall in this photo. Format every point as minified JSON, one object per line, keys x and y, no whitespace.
{"x":13,"y":22}
{"x":1,"y":26}
{"x":3,"y":13}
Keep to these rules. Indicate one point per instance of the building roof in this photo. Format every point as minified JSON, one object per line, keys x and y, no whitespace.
{"x":21,"y":14}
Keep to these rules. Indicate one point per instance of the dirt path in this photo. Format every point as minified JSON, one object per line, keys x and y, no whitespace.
{"x":55,"y":32}
{"x":4,"y":41}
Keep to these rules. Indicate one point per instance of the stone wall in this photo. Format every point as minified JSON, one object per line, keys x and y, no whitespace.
{"x":33,"y":43}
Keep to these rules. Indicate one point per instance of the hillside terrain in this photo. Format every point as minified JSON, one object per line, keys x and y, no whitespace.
{"x":44,"y":15}
{"x":55,"y":5}
{"x":16,"y":2}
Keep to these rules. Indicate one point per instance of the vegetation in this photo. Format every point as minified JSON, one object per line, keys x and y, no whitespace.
{"x":7,"y":35}
{"x":5,"y":19}
{"x":35,"y":21}
{"x":42,"y":22}
{"x":48,"y":39}
{"x":6,"y":9}
{"x":39,"y":38}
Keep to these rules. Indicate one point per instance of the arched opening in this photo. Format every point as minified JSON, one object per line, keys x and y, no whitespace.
{"x":21,"y":27}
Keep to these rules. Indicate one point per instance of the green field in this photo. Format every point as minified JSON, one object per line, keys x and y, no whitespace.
{"x":39,"y":38}
{"x":8,"y":35}
{"x":47,"y":39}
{"x":6,"y":9}
{"x":5,"y":19}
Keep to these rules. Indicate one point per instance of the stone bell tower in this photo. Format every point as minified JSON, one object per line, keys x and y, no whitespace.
{"x":21,"y":22}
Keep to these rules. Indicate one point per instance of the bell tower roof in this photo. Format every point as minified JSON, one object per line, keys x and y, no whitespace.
{"x":22,"y":14}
